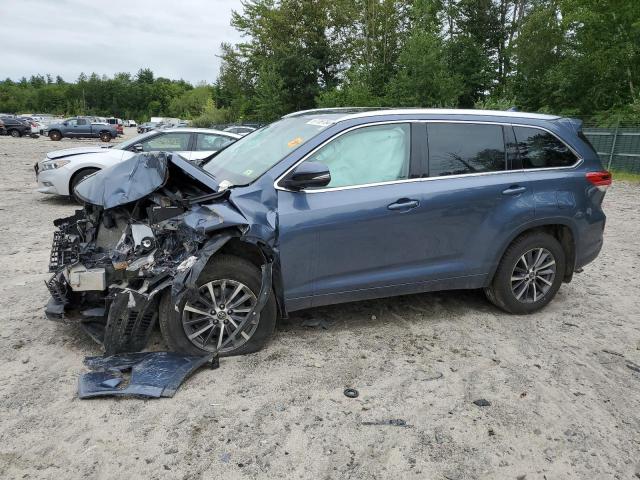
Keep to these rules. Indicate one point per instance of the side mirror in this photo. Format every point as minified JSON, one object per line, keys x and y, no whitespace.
{"x":307,"y":175}
{"x":137,"y":147}
{"x":65,"y":124}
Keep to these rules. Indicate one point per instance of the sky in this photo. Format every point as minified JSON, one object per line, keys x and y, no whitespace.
{"x":176,"y":39}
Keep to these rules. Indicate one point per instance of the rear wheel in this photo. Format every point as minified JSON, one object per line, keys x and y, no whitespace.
{"x":529,"y":275}
{"x":77,"y":178}
{"x":105,"y":136}
{"x":228,"y":291}
{"x":15,"y":133}
{"x":55,"y":136}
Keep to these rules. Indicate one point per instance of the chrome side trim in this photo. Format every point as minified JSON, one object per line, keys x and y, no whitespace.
{"x":425,"y":179}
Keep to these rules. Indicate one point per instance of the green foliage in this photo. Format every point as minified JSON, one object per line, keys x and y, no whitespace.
{"x":570,"y":57}
{"x":211,"y":116}
{"x":123,"y":96}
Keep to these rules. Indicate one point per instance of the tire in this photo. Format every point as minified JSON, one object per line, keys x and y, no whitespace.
{"x":234,"y":269}
{"x":513,"y":279}
{"x":55,"y":136}
{"x":15,"y":133}
{"x":77,"y":178}
{"x":105,"y":136}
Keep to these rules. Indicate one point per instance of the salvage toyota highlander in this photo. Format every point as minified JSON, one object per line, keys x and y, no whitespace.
{"x":323,"y":207}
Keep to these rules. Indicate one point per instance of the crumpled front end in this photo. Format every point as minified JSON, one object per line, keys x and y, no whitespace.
{"x":147,"y":230}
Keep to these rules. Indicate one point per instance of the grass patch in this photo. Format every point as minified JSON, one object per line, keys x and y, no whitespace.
{"x":625,"y":176}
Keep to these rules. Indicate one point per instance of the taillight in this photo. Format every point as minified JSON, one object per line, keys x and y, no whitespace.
{"x":601,"y":180}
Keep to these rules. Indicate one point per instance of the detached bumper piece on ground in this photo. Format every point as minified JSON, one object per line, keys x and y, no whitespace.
{"x":150,"y":374}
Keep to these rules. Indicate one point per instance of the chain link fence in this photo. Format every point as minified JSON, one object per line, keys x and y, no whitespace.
{"x":618,"y":147}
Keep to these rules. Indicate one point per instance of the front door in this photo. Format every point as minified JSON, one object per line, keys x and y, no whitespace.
{"x":362,"y":234}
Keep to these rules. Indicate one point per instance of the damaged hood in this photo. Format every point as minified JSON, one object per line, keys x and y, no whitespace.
{"x":135,"y":178}
{"x":70,"y":152}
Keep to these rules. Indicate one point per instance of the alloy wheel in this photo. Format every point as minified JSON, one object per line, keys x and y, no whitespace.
{"x":217,"y":312}
{"x":533,"y":275}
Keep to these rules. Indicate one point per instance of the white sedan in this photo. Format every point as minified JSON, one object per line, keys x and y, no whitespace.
{"x":62,"y":170}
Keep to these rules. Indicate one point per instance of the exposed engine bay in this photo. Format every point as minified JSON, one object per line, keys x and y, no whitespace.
{"x":148,"y":228}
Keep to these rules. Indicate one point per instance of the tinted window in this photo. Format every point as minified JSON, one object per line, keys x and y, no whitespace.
{"x":169,"y":142}
{"x":209,"y":142}
{"x":458,"y":148}
{"x":82,"y":121}
{"x":367,"y":155}
{"x":540,"y":149}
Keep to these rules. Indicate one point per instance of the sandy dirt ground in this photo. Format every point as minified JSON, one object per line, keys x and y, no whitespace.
{"x":564,"y":396}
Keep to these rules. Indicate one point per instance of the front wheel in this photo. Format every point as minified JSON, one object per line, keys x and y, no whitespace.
{"x":529,"y":274}
{"x":105,"y":136}
{"x":228,"y":291}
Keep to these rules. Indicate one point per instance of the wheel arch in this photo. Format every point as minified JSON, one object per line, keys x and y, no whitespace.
{"x":257,"y":253}
{"x":83,"y":168}
{"x":561,"y":229}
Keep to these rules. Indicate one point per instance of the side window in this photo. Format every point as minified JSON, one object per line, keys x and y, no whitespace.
{"x":367,"y":155}
{"x":209,"y":142}
{"x":72,"y":123}
{"x":540,"y":149}
{"x":459,"y":148}
{"x":168,"y":142}
{"x":82,"y":121}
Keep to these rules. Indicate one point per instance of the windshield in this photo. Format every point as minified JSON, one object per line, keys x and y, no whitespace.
{"x":248,"y":158}
{"x":134,"y":140}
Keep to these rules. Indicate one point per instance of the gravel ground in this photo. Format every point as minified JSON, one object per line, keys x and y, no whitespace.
{"x":564,"y":395}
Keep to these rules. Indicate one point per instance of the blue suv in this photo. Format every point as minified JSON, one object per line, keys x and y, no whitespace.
{"x":330,"y":206}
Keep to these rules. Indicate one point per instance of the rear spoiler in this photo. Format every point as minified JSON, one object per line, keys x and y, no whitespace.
{"x":574,"y":124}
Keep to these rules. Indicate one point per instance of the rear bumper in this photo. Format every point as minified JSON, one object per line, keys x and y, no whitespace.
{"x":590,"y":243}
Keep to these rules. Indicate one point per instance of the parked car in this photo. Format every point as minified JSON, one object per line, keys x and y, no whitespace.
{"x":130,"y":123}
{"x":61,"y":170}
{"x":81,"y":127}
{"x":16,"y":127}
{"x":240,"y":129}
{"x":118,"y":123}
{"x":147,"y":127}
{"x":3,"y":131}
{"x":331,"y":206}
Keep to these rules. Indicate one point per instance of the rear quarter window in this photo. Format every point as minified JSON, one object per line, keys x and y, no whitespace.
{"x":540,"y":149}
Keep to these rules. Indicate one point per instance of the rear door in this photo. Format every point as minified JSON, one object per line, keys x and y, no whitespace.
{"x":471,"y":200}
{"x":207,"y":144}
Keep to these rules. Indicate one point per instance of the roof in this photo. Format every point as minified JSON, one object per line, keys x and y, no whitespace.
{"x":199,"y":130}
{"x":348,"y":113}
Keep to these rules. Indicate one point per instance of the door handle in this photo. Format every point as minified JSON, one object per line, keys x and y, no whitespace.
{"x":514,"y":190}
{"x":404,"y":204}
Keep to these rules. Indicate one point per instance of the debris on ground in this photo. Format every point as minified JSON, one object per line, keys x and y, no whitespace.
{"x":315,"y":323}
{"x":633,"y":366}
{"x":152,"y":374}
{"x":351,"y":393}
{"x":612,"y":352}
{"x":394,"y":422}
{"x":481,"y":402}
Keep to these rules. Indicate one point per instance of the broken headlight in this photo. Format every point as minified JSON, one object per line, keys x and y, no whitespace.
{"x":53,"y":164}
